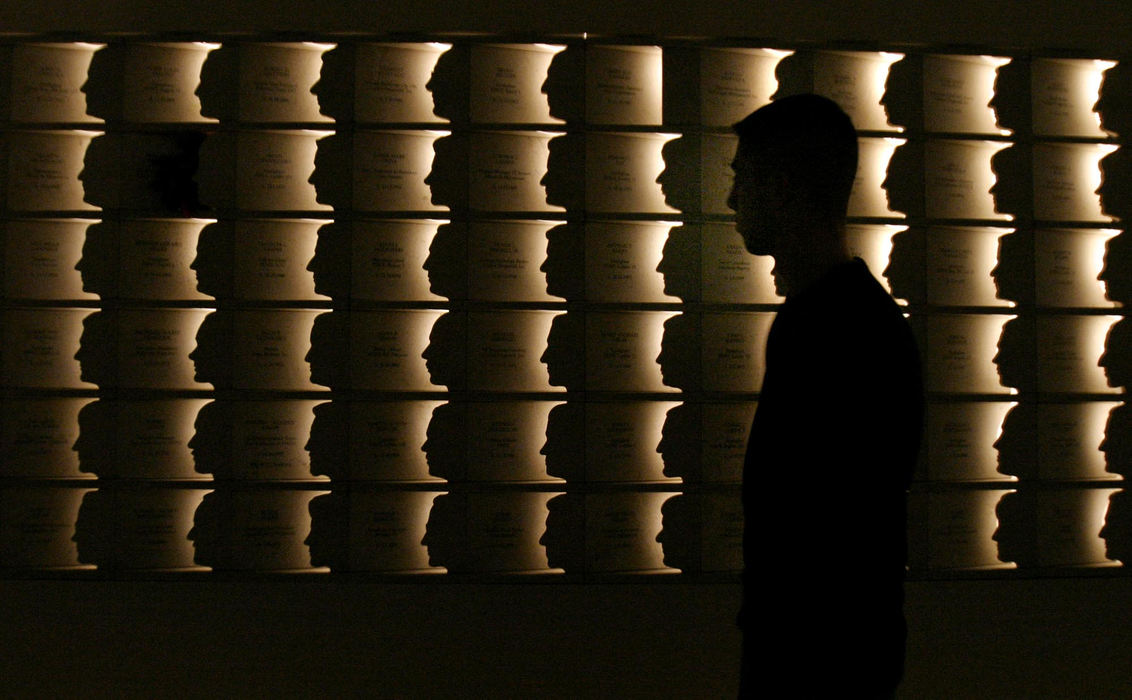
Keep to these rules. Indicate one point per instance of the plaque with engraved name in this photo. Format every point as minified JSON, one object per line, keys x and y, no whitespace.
{"x":716,"y":153}
{"x":40,"y":347}
{"x":152,"y":439}
{"x":1069,"y":438}
{"x":388,"y":260}
{"x":958,"y":179}
{"x":37,"y":527}
{"x":160,"y":82}
{"x":505,"y":260}
{"x":269,"y":440}
{"x":960,"y":261}
{"x":386,"y":530}
{"x":270,"y":347}
{"x":44,"y":170}
{"x":387,"y":349}
{"x":155,"y":259}
{"x":623,"y":440}
{"x":725,"y":427}
{"x":855,"y":81}
{"x":271,"y":259}
{"x":722,"y":532}
{"x":504,"y":531}
{"x":36,"y":438}
{"x":623,"y":85}
{"x":273,"y":170}
{"x":960,"y":353}
{"x":47,"y":82}
{"x":961,"y":440}
{"x":41,"y":258}
{"x":1069,"y":348}
{"x":622,"y":348}
{"x":150,"y":529}
{"x":507,"y":169}
{"x":733,"y":350}
{"x":390,"y":170}
{"x":505,"y":350}
{"x":873,"y":244}
{"x":276,"y":81}
{"x":622,"y":171}
{"x":154,"y":347}
{"x":391,"y":82}
{"x":735,"y":82}
{"x":1066,"y":179}
{"x":506,"y":83}
{"x":621,"y":261}
{"x":1067,"y":266}
{"x":268,"y":529}
{"x":505,"y":440}
{"x":731,"y":274}
{"x":621,"y":530}
{"x":958,"y":90}
{"x":954,"y":530}
{"x":1063,"y":94}
{"x":868,"y":197}
{"x":387,"y":440}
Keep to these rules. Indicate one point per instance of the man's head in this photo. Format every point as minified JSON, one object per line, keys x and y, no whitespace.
{"x":794,"y":170}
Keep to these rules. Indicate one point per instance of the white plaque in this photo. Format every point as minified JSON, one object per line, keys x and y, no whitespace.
{"x":505,"y":440}
{"x":506,"y":171}
{"x":506,"y":83}
{"x":270,"y":349}
{"x":272,"y":258}
{"x":961,"y":438}
{"x":392,"y":82}
{"x":505,"y":260}
{"x":387,"y":349}
{"x":268,"y":530}
{"x":47,"y":82}
{"x":40,"y":347}
{"x":958,"y":91}
{"x":960,"y":261}
{"x":855,"y":81}
{"x":1069,"y":349}
{"x":623,"y":85}
{"x":160,"y":82}
{"x":733,"y":350}
{"x":36,"y":438}
{"x":387,"y":440}
{"x":276,"y":81}
{"x":505,"y":350}
{"x":1064,"y":92}
{"x":151,"y":528}
{"x":273,"y":170}
{"x":391,"y":168}
{"x":44,"y":170}
{"x":959,"y":530}
{"x":41,"y":258}
{"x":155,"y":259}
{"x":1067,"y":177}
{"x":623,"y":440}
{"x":960,"y":353}
{"x":958,"y":179}
{"x":388,"y":260}
{"x":504,"y":531}
{"x":1068,"y":526}
{"x":622,"y":259}
{"x":868,"y":197}
{"x":1068,"y":265}
{"x":872,"y":243}
{"x":621,"y":531}
{"x":735,"y":82}
{"x":732,"y":275}
{"x":154,"y":347}
{"x":386,"y":530}
{"x":269,"y":440}
{"x":152,"y":439}
{"x":622,"y":171}
{"x":622,"y":348}
{"x":37,"y":527}
{"x":1069,"y":439}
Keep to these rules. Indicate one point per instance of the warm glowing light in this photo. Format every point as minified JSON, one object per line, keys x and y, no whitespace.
{"x":856,"y":80}
{"x":868,"y":197}
{"x":873,"y":244}
{"x":736,"y":81}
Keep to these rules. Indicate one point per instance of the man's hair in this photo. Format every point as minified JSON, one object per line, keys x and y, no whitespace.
{"x":810,"y":140}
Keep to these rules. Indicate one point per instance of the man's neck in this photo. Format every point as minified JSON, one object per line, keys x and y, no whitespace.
{"x":821,"y":253}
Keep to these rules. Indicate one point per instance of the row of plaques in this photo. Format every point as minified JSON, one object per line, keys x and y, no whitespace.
{"x":518,"y":350}
{"x":548,"y":84}
{"x":535,"y":171}
{"x":403,"y":531}
{"x":513,"y":440}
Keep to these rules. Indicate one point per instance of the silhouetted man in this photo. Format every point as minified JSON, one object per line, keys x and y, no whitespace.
{"x":835,"y":437}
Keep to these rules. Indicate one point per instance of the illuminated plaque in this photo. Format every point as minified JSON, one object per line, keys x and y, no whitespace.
{"x":621,"y":530}
{"x":1069,"y":438}
{"x":507,"y":169}
{"x":622,"y":171}
{"x":735,"y":82}
{"x":716,"y":153}
{"x":151,"y":528}
{"x":868,"y":197}
{"x":855,"y":81}
{"x":623,"y":440}
{"x":392,"y":82}
{"x":621,"y":261}
{"x":37,"y":527}
{"x":960,"y":353}
{"x":505,"y":260}
{"x":505,"y":440}
{"x":505,"y":350}
{"x":1068,"y":264}
{"x":160,"y":82}
{"x":154,"y":347}
{"x":1068,"y":525}
{"x":961,"y":440}
{"x":386,"y":531}
{"x":388,"y":260}
{"x":1067,"y":177}
{"x":957,"y":93}
{"x":722,"y":532}
{"x":387,"y":440}
{"x":958,"y":179}
{"x":623,"y":85}
{"x":1064,"y":92}
{"x":387,"y":349}
{"x":960,"y":261}
{"x":506,"y":83}
{"x":155,"y":445}
{"x":725,"y":427}
{"x":41,"y":258}
{"x":732,"y":275}
{"x":270,"y":347}
{"x":733,"y":350}
{"x":271,"y":259}
{"x":504,"y":531}
{"x":273,"y":170}
{"x":47,"y":82}
{"x":269,"y":440}
{"x":622,"y":348}
{"x":268,"y":530}
{"x":276,"y":81}
{"x":1069,"y":348}
{"x":873,"y":244}
{"x":40,"y":347}
{"x":390,"y":170}
{"x":155,"y":258}
{"x":957,"y":530}
{"x":36,"y":438}
{"x":44,"y":170}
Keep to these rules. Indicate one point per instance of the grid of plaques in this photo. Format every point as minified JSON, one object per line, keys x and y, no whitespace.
{"x":477,"y":307}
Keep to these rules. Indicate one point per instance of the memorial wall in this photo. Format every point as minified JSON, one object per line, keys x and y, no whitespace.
{"x":476,"y":308}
